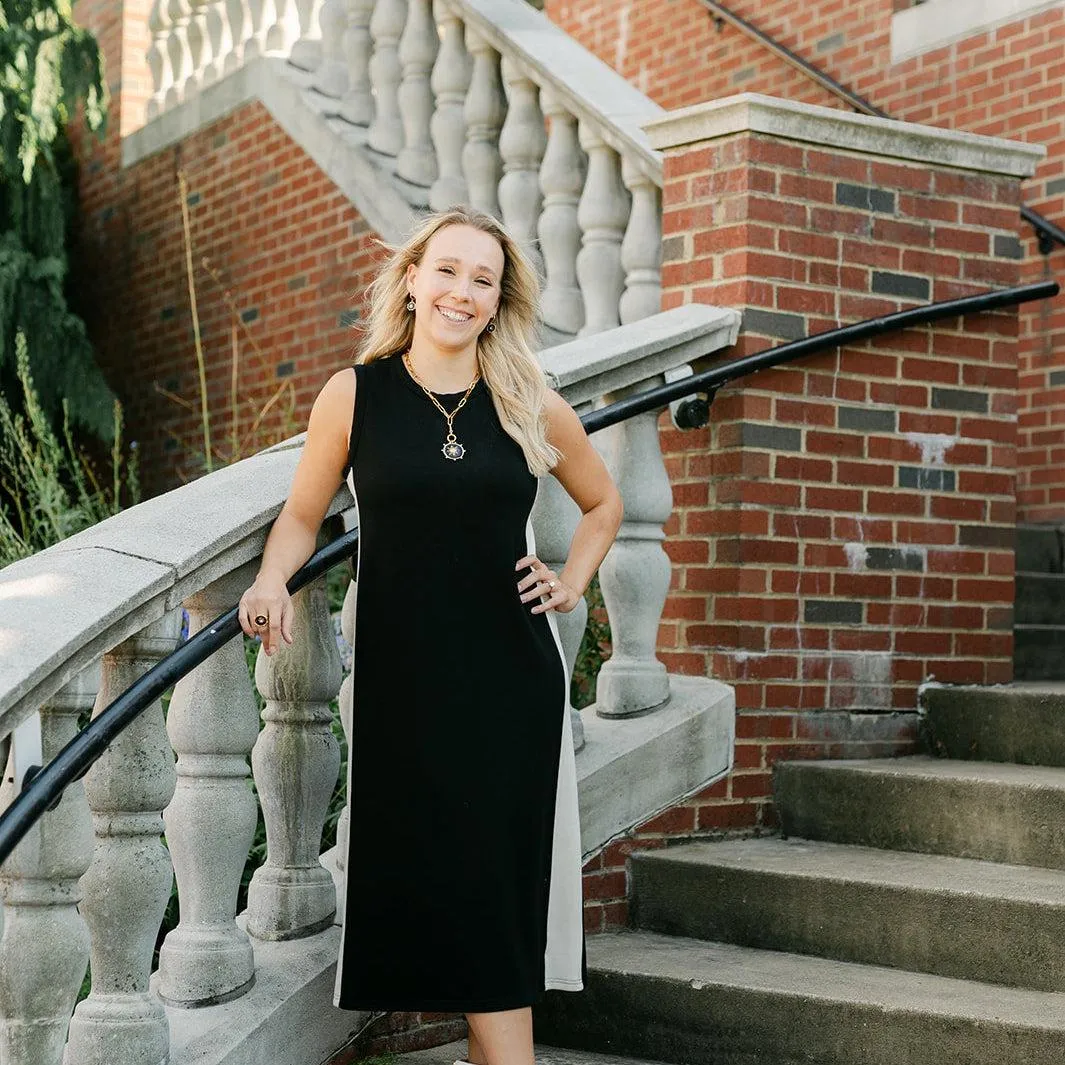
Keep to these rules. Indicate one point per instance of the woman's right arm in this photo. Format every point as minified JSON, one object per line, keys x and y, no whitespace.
{"x":292,"y":537}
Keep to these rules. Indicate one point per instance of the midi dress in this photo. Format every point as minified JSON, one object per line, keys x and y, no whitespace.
{"x":463,"y":873}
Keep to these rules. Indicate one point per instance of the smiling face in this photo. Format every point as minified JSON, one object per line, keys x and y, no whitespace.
{"x":456,"y":287}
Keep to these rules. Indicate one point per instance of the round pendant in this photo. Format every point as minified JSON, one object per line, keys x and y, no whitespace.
{"x":453,"y":450}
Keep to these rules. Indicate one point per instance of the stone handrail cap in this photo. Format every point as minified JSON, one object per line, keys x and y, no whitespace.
{"x":833,"y":128}
{"x":592,"y":366}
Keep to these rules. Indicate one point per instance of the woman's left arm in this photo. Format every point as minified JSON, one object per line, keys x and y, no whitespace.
{"x":582,"y":472}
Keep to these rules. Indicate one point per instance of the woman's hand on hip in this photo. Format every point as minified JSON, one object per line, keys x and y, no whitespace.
{"x":267,"y":599}
{"x":544,"y":584}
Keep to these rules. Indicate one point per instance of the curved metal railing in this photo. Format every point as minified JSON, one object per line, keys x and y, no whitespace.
{"x":44,"y":787}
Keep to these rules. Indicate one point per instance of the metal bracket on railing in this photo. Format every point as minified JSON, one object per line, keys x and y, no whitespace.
{"x":1047,"y":233}
{"x":688,"y":412}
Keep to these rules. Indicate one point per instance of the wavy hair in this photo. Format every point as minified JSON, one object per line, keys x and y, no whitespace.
{"x":508,"y":363}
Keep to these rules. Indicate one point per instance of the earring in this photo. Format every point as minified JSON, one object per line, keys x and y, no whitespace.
{"x":491,"y":327}
{"x":410,"y":302}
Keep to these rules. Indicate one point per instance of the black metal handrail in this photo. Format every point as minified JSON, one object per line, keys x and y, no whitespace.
{"x":1046,"y":231}
{"x":44,"y":789}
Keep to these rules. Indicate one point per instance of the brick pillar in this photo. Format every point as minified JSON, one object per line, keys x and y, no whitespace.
{"x":844,"y":529}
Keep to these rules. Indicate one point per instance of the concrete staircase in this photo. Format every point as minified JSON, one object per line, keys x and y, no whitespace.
{"x":1039,"y":621}
{"x":912,"y":914}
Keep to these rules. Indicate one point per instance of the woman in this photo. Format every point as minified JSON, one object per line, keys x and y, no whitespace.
{"x":463,"y":871}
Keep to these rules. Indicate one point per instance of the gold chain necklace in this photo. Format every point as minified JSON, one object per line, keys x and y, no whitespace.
{"x":452,"y":449}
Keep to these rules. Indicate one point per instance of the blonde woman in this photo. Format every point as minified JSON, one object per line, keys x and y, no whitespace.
{"x":463,"y":871}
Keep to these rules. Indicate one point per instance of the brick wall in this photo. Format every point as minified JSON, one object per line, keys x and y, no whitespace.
{"x":1006,"y":83}
{"x":290,"y":249}
{"x":843,"y":529}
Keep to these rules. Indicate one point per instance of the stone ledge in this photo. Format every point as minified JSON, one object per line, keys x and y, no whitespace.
{"x":279,"y":87}
{"x":589,"y":367}
{"x":631,"y":769}
{"x":921,"y":29}
{"x":830,"y":128}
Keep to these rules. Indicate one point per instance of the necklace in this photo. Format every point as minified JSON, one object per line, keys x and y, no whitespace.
{"x":452,"y":449}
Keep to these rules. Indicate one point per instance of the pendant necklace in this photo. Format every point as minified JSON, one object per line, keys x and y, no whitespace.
{"x":452,"y":449}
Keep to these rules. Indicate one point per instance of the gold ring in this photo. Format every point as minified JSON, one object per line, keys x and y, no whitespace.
{"x":261,"y":619}
{"x":551,"y":584}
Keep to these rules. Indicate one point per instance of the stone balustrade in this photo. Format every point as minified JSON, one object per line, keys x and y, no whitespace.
{"x":478,"y":101}
{"x":84,"y":619}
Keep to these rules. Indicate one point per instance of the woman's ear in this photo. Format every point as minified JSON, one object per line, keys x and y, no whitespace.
{"x":411,"y":277}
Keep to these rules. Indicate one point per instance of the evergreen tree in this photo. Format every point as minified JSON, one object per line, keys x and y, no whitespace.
{"x":49,"y":70}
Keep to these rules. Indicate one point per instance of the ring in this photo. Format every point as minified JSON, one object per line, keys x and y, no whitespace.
{"x":551,"y":584}
{"x":261,"y":619}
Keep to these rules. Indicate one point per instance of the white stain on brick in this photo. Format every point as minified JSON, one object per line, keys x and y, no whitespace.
{"x":934,"y":446}
{"x":857,"y":555}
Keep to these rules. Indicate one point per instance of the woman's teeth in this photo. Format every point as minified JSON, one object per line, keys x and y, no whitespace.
{"x":454,"y":316}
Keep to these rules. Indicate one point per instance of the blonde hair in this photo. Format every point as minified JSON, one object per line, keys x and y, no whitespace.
{"x":507,"y":360}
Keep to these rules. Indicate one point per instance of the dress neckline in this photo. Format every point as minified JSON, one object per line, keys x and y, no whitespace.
{"x":415,"y":387}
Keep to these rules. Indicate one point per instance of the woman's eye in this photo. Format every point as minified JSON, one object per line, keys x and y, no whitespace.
{"x":446,"y":270}
{"x":484,"y":280}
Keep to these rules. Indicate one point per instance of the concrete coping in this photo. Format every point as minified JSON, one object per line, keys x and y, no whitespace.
{"x":597,"y":365}
{"x":592,"y":91}
{"x":832,"y":128}
{"x":938,"y":23}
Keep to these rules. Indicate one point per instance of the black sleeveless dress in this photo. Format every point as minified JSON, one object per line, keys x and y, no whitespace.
{"x":463,"y":889}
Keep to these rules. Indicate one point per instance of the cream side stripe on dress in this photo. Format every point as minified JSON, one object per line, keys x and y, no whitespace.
{"x":565,"y":916}
{"x":351,"y":747}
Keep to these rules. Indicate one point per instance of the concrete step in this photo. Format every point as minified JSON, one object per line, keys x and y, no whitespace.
{"x":1022,"y":723}
{"x":1039,"y":652}
{"x":1001,"y":924}
{"x":1040,"y":549}
{"x":1040,"y":599}
{"x":986,"y":810}
{"x":447,"y":1053}
{"x":686,"y":1000}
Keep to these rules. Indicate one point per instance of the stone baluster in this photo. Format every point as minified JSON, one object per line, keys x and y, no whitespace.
{"x":332,"y":76}
{"x":561,"y":181}
{"x":219,"y":29}
{"x":449,"y":82}
{"x":199,"y":55}
{"x":261,"y":16}
{"x":213,"y":722}
{"x":128,"y":883}
{"x":178,"y":52}
{"x":386,"y":73}
{"x":417,"y":53}
{"x":554,"y":518}
{"x":295,"y":762}
{"x":235,"y":36}
{"x":281,"y":35}
{"x":635,"y":574}
{"x":522,"y":142}
{"x":307,"y":47}
{"x":641,"y":250}
{"x":347,"y":691}
{"x":357,"y":106}
{"x":486,"y":107}
{"x":158,"y":58}
{"x":45,"y":945}
{"x":603,"y":213}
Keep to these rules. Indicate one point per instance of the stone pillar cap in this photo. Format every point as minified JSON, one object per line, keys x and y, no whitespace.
{"x":836,"y":129}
